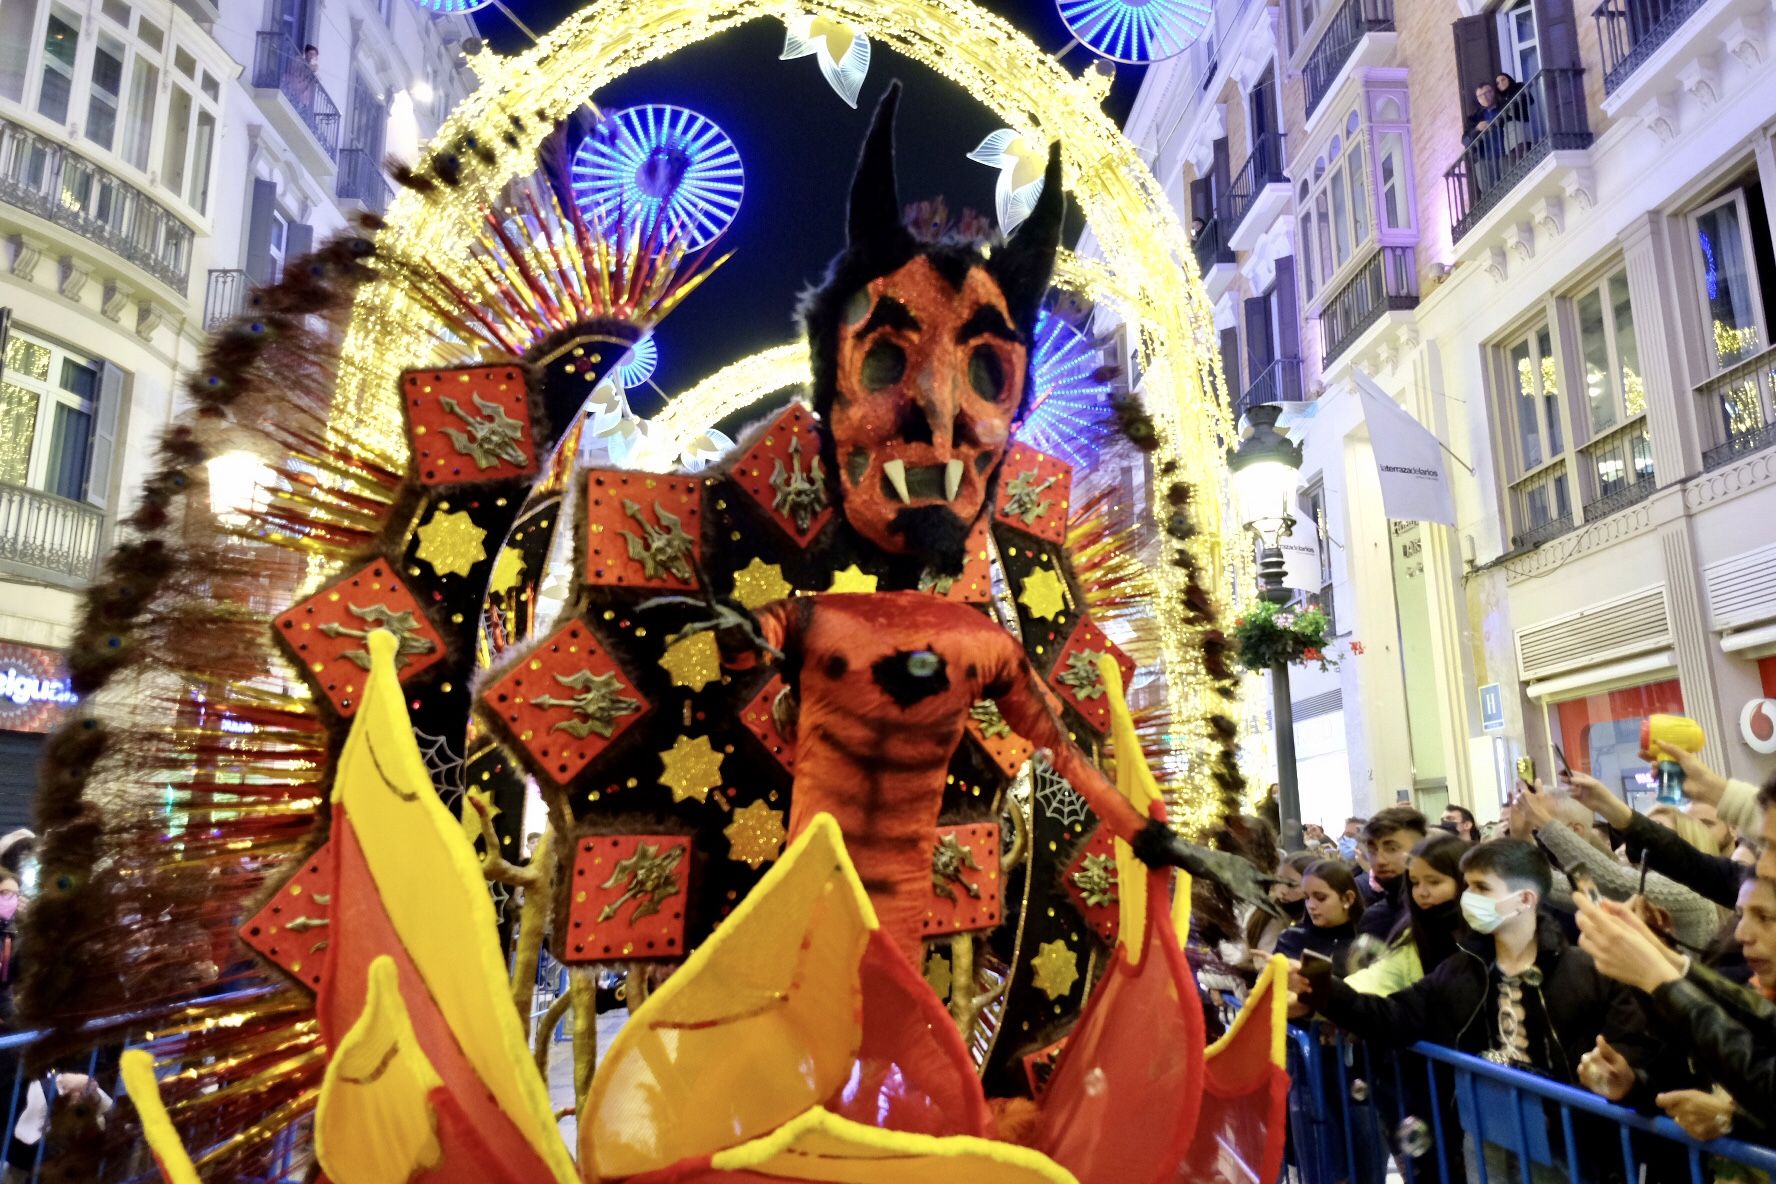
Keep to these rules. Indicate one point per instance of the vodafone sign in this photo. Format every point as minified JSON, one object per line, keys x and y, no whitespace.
{"x":1757,"y":724}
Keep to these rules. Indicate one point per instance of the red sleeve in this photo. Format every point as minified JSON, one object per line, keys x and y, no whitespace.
{"x":1027,"y":711}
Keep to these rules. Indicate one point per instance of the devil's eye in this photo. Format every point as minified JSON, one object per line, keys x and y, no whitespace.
{"x":883,"y":365}
{"x":986,"y":373}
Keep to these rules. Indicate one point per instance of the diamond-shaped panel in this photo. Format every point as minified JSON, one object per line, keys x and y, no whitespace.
{"x":784,"y":474}
{"x":761,"y":720}
{"x":1034,"y":489}
{"x":974,"y":585}
{"x":291,"y":930}
{"x":989,"y":729}
{"x":965,"y":889}
{"x":628,"y":901}
{"x":642,"y":530}
{"x":469,"y":424}
{"x":1092,"y":884}
{"x":564,"y":702}
{"x":1075,"y":677}
{"x":326,"y":632}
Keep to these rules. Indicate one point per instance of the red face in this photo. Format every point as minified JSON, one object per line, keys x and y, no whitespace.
{"x":929,"y":379}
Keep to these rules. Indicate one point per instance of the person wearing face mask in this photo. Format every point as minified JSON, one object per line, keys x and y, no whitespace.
{"x":9,"y":905}
{"x":1388,"y":838}
{"x":1515,"y":993}
{"x":1433,"y":924}
{"x":1264,"y":930}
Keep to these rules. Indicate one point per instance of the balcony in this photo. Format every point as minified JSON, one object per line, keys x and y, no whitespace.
{"x":48,"y":538}
{"x":293,"y":95}
{"x":1388,"y":282}
{"x":361,"y":180}
{"x":225,"y":297}
{"x":1355,"y":20}
{"x":1279,"y":382}
{"x":1631,"y":31}
{"x":1260,"y":192}
{"x":44,"y":178}
{"x":1621,"y":464}
{"x":1214,"y":258}
{"x":1545,"y":116}
{"x":1744,"y":397}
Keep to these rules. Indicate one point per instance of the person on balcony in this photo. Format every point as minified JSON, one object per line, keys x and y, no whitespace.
{"x":301,"y":79}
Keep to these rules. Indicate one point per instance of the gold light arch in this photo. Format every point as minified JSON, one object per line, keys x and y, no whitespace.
{"x":1147,"y":270}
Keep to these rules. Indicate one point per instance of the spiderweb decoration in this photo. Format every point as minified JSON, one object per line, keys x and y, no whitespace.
{"x":1056,"y":795}
{"x":1070,"y":416}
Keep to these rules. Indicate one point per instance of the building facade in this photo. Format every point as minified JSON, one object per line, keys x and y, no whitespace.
{"x":157,"y":159}
{"x":1571,"y":284}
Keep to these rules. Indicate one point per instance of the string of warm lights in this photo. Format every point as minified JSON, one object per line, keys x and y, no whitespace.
{"x":1147,"y":273}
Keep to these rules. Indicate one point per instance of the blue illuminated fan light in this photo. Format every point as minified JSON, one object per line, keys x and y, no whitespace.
{"x":447,"y":7}
{"x":1071,"y":415}
{"x":1136,"y":31}
{"x":638,"y":364}
{"x":641,"y":164}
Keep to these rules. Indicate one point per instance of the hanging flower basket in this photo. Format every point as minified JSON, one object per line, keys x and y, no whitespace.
{"x":1266,"y":634}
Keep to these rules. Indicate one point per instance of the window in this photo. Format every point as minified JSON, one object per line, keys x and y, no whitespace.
{"x":1542,"y":498}
{"x":1600,"y":735}
{"x":279,"y":244}
{"x":138,"y":135}
{"x":1359,"y":192}
{"x":105,"y":93}
{"x":1302,"y":14}
{"x":177,"y":143}
{"x":1304,"y":243}
{"x":1729,"y":281}
{"x":48,"y":404}
{"x":1519,"y":47}
{"x":1312,"y":504}
{"x":61,"y":40}
{"x":1619,"y":455}
{"x":18,"y":23}
{"x":116,"y":10}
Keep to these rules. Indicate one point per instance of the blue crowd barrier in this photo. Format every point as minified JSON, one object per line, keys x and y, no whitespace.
{"x":1351,"y":1109}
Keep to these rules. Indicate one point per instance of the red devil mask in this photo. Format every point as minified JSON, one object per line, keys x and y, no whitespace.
{"x":921,"y":358}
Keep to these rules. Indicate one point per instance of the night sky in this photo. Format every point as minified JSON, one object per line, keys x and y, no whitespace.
{"x":798,"y":141}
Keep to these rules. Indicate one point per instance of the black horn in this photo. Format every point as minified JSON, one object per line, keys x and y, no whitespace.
{"x":1025,"y":264}
{"x":875,"y":228}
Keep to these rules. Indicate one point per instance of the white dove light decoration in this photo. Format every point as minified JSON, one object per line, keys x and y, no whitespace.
{"x":1020,"y":160}
{"x":842,"y":52}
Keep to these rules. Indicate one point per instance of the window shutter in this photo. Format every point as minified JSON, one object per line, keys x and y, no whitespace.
{"x":1259,"y":354}
{"x":1476,"y":56}
{"x":1221,"y":173}
{"x":1288,"y":327}
{"x":259,"y":232}
{"x":106,"y":418}
{"x":1230,"y":364}
{"x":298,"y":241}
{"x":1557,"y":35}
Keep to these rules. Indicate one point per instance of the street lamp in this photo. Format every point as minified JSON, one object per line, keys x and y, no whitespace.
{"x":1266,"y":470}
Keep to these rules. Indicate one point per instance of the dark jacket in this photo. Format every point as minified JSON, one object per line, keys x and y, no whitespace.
{"x":1334,"y":942}
{"x":1730,"y":1032}
{"x":1456,"y":1006}
{"x":1713,"y":876}
{"x":1383,"y":910}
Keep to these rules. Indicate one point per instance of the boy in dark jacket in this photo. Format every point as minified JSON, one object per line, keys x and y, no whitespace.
{"x":1388,"y":838}
{"x":1517,"y":993}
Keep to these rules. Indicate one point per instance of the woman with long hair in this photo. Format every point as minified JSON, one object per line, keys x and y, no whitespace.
{"x":1431,"y":927}
{"x":1333,"y":906}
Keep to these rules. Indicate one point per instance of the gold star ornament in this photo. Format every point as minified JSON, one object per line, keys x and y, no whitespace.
{"x":508,"y":570}
{"x":756,"y":834}
{"x":853,"y":579}
{"x":691,"y":768}
{"x":1056,"y":969}
{"x":451,"y":543}
{"x":1044,"y":594}
{"x":693,"y":661}
{"x":759,"y":583}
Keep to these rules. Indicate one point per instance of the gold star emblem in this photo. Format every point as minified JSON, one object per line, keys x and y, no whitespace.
{"x":691,"y":768}
{"x":451,"y":543}
{"x":1056,"y":967}
{"x":853,"y":579}
{"x":693,"y":661}
{"x":755,"y":835}
{"x":471,"y":817}
{"x":508,"y":570}
{"x":937,"y":973}
{"x":759,"y":583}
{"x":1044,"y":594}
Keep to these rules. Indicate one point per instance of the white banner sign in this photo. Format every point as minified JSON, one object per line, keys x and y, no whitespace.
{"x":1301,"y":557}
{"x":1408,"y":459}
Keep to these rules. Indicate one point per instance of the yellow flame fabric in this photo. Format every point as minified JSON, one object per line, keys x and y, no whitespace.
{"x":137,"y":1071}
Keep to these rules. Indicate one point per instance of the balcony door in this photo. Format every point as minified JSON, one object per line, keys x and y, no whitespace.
{"x":292,"y":18}
{"x":1519,"y":46}
{"x":369,"y":123}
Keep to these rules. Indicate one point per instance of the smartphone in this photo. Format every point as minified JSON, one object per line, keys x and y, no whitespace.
{"x":1583,"y":885}
{"x":1560,"y":762}
{"x":1315,"y":967}
{"x":1526,"y":770}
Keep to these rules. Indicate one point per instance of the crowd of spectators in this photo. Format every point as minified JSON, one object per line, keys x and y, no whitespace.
{"x":1629,"y":954}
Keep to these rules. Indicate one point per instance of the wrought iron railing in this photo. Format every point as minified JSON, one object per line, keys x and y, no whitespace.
{"x":1279,"y":382}
{"x":361,"y":179}
{"x":1211,"y":245}
{"x":1263,"y":167}
{"x":1631,"y":31}
{"x":1744,"y":397}
{"x":1387,"y":281}
{"x":47,"y":534}
{"x":280,"y":66}
{"x":1547,"y":114}
{"x":1621,"y":466}
{"x":47,"y":179}
{"x":1541,"y":506}
{"x":1355,"y":20}
{"x":225,"y":296}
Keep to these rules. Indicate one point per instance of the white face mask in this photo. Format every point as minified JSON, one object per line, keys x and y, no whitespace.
{"x":1482,"y":912}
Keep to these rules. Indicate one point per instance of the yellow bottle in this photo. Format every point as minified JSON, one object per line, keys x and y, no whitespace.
{"x":1673,"y":731}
